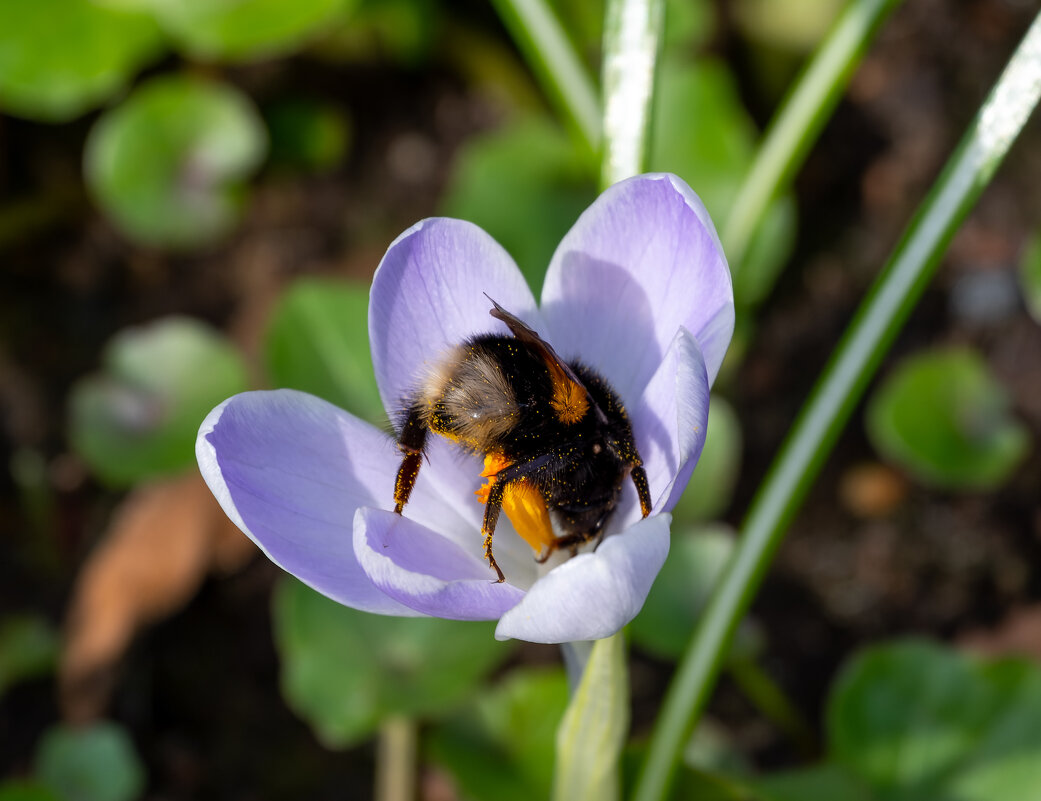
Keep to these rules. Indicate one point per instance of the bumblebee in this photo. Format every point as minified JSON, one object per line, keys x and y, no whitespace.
{"x":556,"y":441}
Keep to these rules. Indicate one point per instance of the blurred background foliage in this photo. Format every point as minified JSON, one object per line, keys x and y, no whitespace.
{"x":193,"y":196}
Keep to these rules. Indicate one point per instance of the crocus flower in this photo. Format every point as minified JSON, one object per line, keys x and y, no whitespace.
{"x":639,"y":290}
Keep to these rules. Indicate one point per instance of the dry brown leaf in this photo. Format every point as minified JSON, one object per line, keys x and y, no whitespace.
{"x":162,"y":541}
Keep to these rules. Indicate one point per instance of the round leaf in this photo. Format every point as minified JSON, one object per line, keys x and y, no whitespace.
{"x":97,"y":763}
{"x":318,"y":342}
{"x":345,"y":671}
{"x":139,"y":417}
{"x":168,"y":164}
{"x":904,"y":715}
{"x":918,"y":721}
{"x":60,"y":58}
{"x":943,"y":417}
{"x":245,"y":29}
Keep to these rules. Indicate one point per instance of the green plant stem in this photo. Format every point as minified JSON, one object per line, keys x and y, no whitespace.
{"x":832,"y":400}
{"x":396,"y":760}
{"x":632,"y":38}
{"x":557,"y":67}
{"x":798,"y":123}
{"x":767,"y":696}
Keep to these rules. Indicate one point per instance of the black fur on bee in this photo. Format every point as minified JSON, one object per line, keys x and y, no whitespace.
{"x":551,"y":426}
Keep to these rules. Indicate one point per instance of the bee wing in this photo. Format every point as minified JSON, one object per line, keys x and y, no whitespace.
{"x":571,"y":398}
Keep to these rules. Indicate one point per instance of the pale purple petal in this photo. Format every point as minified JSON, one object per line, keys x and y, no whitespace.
{"x":426,"y":571}
{"x":640,"y":262}
{"x":670,"y":420}
{"x":428,"y":295}
{"x":594,"y":594}
{"x":290,"y":470}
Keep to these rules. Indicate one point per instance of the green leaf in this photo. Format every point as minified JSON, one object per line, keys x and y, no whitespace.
{"x":715,"y":158}
{"x":26,"y":791}
{"x":240,"y":30}
{"x":403,"y":30}
{"x":28,"y":648}
{"x":95,"y":763}
{"x":944,"y":418}
{"x":60,"y":58}
{"x":905,"y":715}
{"x":525,"y":185}
{"x":522,"y":715}
{"x":318,"y":342}
{"x":925,"y":722}
{"x":678,"y":595}
{"x":712,"y":485}
{"x":169,"y":164}
{"x":1030,"y":276}
{"x":594,"y":729}
{"x":825,"y":782}
{"x":501,"y":748}
{"x":345,"y":671}
{"x":139,"y":417}
{"x":1005,"y":761}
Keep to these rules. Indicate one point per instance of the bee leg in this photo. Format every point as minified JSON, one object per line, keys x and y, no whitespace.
{"x":411,"y":442}
{"x":515,"y":472}
{"x":639,"y":477}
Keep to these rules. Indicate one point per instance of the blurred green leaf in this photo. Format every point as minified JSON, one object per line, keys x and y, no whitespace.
{"x":318,"y":342}
{"x":168,"y":164}
{"x":240,"y":30}
{"x":712,"y":485}
{"x":921,"y":721}
{"x":595,"y":727}
{"x":522,"y":714}
{"x":1030,"y":276}
{"x":60,"y":58}
{"x":94,"y":763}
{"x":28,"y":648}
{"x":525,"y":184}
{"x":944,"y":418}
{"x":825,"y":782}
{"x":139,"y":417}
{"x":501,"y":747}
{"x":678,"y":595}
{"x":19,"y":790}
{"x":905,"y":715}
{"x":403,"y":30}
{"x":344,"y":671}
{"x":308,"y":135}
{"x":714,"y":158}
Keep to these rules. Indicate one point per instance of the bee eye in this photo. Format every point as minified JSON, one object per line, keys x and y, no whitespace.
{"x":597,"y":448}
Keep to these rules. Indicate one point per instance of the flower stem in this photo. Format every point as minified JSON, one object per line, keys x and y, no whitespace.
{"x":802,"y":115}
{"x":396,"y":760}
{"x":632,"y":35}
{"x":557,"y":67}
{"x":594,"y":728}
{"x":832,"y":400}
